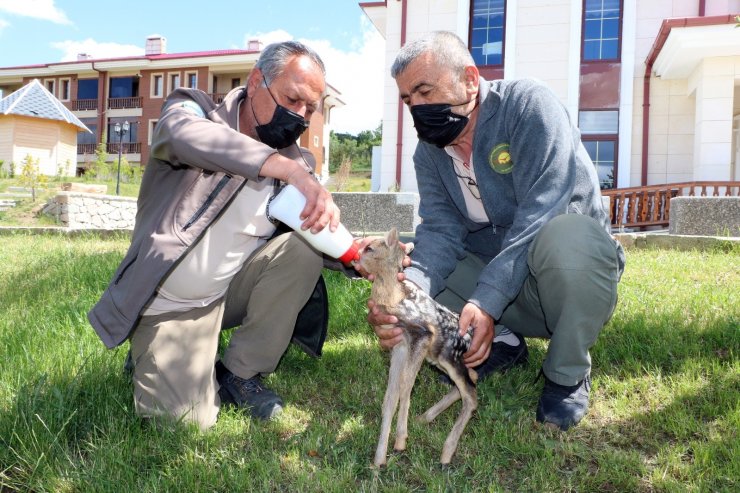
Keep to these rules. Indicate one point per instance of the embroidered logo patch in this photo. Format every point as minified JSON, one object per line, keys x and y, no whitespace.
{"x":500,"y":159}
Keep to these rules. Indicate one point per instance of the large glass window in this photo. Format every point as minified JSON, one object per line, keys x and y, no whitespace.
{"x":132,"y":136}
{"x":88,"y":138}
{"x":87,"y":89}
{"x":603,"y":155}
{"x":599,"y":130}
{"x":487,"y":32}
{"x":601,"y":29}
{"x":124,"y":87}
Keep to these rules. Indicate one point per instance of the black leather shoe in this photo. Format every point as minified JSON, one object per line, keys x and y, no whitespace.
{"x":248,"y":393}
{"x":503,"y":357}
{"x":563,"y":405}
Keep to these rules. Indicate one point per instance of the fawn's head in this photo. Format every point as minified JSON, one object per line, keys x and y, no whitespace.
{"x":383,"y":255}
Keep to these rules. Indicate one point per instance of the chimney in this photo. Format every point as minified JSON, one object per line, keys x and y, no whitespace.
{"x":83,"y":56}
{"x":254,"y":45}
{"x":155,"y":45}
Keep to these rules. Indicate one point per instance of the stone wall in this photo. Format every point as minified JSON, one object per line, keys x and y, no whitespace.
{"x":79,"y":210}
{"x":705,"y":216}
{"x":362,"y":213}
{"x":378,"y":212}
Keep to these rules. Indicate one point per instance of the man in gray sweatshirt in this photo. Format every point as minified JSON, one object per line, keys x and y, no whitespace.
{"x":513,"y":236}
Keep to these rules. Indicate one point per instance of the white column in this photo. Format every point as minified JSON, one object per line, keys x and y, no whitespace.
{"x":574,"y":58}
{"x":626,"y":92}
{"x":510,"y":38}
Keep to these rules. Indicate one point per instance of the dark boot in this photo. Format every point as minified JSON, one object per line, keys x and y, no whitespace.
{"x":247,"y":393}
{"x":563,"y":405}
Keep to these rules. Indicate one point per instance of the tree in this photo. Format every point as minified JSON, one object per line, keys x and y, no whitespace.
{"x":30,"y":176}
{"x":356,"y":149}
{"x":100,"y":166}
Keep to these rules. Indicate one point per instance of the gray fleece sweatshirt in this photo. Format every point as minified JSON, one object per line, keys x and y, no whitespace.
{"x":530,"y":166}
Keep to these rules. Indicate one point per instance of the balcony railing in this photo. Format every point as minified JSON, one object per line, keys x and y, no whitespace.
{"x":84,"y":104}
{"x":86,"y":148}
{"x":642,"y":207}
{"x":126,"y":147}
{"x":218,"y":97}
{"x":124,"y":103}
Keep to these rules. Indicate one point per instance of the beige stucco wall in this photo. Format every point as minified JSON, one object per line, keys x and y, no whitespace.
{"x":542,"y":46}
{"x":6,"y":142}
{"x":53,"y":143}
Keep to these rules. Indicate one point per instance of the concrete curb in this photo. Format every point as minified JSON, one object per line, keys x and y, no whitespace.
{"x":677,"y":242}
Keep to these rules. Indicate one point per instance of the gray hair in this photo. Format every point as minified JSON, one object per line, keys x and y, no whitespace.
{"x":275,"y":57}
{"x":446,"y":47}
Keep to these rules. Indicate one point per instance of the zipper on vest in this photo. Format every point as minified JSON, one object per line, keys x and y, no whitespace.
{"x":202,"y":209}
{"x":125,"y":268}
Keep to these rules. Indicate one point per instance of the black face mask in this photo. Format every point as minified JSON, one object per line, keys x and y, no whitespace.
{"x":437,"y":124}
{"x":284,"y":128}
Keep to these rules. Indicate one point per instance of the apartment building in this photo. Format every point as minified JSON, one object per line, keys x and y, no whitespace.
{"x":106,"y":93}
{"x":654,"y":85}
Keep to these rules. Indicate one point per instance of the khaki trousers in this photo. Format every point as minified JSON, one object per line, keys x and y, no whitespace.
{"x":174,"y":353}
{"x":568,"y":296}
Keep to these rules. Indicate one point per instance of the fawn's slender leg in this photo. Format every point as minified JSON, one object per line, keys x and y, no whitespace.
{"x":399,"y":354}
{"x":469,"y":405}
{"x":408,"y":376}
{"x":446,"y":401}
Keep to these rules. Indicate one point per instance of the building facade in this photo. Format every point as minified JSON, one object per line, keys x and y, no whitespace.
{"x":106,"y":93}
{"x":654,"y":85}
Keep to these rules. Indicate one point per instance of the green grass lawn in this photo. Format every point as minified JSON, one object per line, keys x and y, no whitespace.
{"x":665,"y":403}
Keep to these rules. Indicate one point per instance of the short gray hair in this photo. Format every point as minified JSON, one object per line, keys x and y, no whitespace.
{"x":275,"y":57}
{"x":446,"y":47}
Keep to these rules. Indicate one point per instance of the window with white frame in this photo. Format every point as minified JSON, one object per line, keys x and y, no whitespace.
{"x":150,"y":132}
{"x":157,"y":90}
{"x":600,"y":137}
{"x":50,"y":85}
{"x":487,"y":31}
{"x":191,"y":80}
{"x":174,"y":81}
{"x":601,"y":29}
{"x":65,"y":89}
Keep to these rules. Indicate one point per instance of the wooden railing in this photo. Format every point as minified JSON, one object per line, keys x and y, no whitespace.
{"x":86,"y":148}
{"x":217,"y":97}
{"x":84,"y":104}
{"x":642,"y":207}
{"x":127,"y":147}
{"x":124,"y":103}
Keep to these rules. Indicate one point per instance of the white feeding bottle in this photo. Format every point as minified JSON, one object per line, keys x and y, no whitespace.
{"x":287,"y":205}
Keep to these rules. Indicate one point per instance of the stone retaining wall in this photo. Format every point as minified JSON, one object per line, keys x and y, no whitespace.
{"x":378,"y":212}
{"x":361,"y":212}
{"x":705,"y":216}
{"x":78,"y":210}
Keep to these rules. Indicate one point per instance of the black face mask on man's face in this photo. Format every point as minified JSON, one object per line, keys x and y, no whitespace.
{"x":437,"y":124}
{"x":283,"y":129}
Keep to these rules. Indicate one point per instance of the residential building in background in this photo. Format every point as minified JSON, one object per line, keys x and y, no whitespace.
{"x":106,"y":92}
{"x":654,"y":85}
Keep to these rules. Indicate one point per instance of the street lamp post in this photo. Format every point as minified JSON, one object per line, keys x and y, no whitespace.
{"x":121,"y":130}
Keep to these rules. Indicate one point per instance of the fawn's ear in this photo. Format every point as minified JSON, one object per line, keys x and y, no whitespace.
{"x":391,"y":238}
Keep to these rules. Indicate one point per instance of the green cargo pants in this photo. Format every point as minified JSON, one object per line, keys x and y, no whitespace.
{"x":568,"y":296}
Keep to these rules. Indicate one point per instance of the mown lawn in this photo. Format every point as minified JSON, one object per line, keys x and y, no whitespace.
{"x":665,"y":404}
